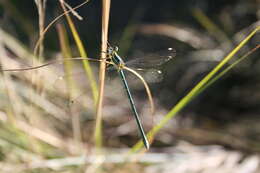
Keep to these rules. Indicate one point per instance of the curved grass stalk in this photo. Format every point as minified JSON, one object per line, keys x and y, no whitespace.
{"x":147,"y":88}
{"x":210,"y":26}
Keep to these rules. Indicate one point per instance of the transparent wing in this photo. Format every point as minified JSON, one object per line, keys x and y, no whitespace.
{"x":153,"y":76}
{"x":152,"y":60}
{"x":147,"y":66}
{"x":149,"y":75}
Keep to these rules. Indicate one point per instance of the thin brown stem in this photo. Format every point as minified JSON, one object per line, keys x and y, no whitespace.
{"x":50,"y":63}
{"x":102,"y":72}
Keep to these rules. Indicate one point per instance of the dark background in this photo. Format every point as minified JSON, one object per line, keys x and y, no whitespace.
{"x":229,"y":107}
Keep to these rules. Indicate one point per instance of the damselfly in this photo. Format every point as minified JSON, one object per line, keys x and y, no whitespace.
{"x":120,"y":64}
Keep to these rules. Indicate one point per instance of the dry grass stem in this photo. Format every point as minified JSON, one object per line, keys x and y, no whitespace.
{"x":102,"y":72}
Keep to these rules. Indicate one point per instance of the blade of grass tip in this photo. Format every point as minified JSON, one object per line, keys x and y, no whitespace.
{"x":228,"y":69}
{"x":71,"y":86}
{"x":131,"y":29}
{"x":102,"y":72}
{"x":210,"y":26}
{"x":186,"y":99}
{"x":83,"y":53}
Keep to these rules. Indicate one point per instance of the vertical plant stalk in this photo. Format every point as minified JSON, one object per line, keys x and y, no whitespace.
{"x":102,"y":72}
{"x":130,"y":30}
{"x":41,"y":5}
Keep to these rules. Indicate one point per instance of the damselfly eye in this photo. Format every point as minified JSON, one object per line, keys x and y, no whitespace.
{"x":110,"y":49}
{"x":116,"y":49}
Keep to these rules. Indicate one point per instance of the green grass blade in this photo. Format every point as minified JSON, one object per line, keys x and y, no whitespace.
{"x":83,"y":53}
{"x":218,"y":76}
{"x":194,"y":92}
{"x":210,"y":26}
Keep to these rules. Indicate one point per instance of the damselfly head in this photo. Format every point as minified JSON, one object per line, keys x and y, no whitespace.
{"x":116,"y":49}
{"x":111,"y":51}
